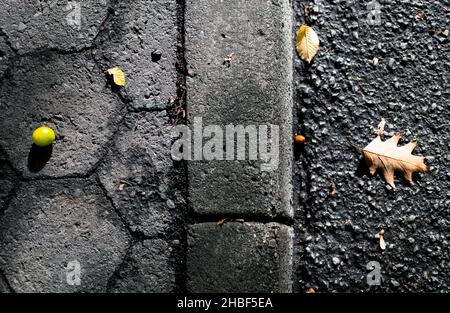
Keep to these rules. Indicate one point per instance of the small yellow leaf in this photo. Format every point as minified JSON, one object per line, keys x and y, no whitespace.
{"x":307,"y":43}
{"x":118,"y":76}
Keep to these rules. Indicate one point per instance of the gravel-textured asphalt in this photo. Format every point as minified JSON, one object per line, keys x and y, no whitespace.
{"x":52,"y":71}
{"x":340,"y":98}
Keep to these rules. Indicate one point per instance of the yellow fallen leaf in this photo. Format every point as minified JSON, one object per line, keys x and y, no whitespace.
{"x":118,"y":76}
{"x":307,"y":43}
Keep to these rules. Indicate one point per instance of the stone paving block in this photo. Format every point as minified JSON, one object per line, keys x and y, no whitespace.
{"x":234,"y":257}
{"x":140,"y":157}
{"x":142,"y":39}
{"x":53,"y":24}
{"x":51,"y":223}
{"x":254,"y":88}
{"x":61,"y":92}
{"x":147,"y":269}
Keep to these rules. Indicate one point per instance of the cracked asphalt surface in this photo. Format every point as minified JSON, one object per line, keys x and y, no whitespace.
{"x":52,"y":68}
{"x":107,"y":194}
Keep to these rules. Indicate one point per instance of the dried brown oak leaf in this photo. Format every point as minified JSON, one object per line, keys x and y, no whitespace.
{"x":389,"y":158}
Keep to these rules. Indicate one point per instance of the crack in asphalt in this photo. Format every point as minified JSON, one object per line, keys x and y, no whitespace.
{"x":115,"y":276}
{"x":5,"y":279}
